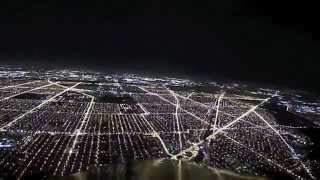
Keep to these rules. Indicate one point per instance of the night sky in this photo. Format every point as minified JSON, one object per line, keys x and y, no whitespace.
{"x":260,"y":41}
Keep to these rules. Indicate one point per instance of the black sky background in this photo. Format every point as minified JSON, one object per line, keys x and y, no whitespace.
{"x":261,"y":41}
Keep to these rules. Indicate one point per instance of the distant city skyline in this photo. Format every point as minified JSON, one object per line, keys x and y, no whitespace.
{"x":267,"y":41}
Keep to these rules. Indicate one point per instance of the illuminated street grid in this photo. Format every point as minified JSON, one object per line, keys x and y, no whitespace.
{"x":63,"y":127}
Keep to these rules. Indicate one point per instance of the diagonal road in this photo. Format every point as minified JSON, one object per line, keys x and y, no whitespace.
{"x":177,"y":118}
{"x":38,"y":107}
{"x":16,"y":85}
{"x":14,"y":95}
{"x":222,"y":128}
{"x":217,"y":111}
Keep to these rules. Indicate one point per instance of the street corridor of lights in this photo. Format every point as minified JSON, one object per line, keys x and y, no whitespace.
{"x":62,"y":127}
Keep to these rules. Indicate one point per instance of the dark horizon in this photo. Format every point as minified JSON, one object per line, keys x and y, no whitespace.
{"x":265,"y":42}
